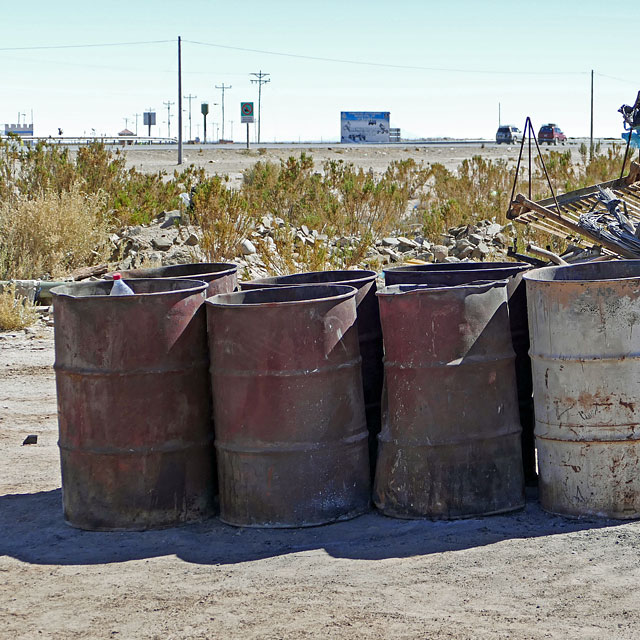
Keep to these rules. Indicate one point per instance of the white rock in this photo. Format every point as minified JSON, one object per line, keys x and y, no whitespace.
{"x":247,"y":247}
{"x":440,"y":252}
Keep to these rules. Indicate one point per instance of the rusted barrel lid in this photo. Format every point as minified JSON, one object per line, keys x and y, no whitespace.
{"x":141,"y":287}
{"x":336,"y":276}
{"x":395,"y":289}
{"x":298,"y":294}
{"x":202,"y":269}
{"x":587,"y":272}
{"x":453,"y":273}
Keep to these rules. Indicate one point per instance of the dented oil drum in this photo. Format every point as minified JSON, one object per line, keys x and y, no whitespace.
{"x":585,"y":350}
{"x":450,"y":440}
{"x":369,"y":331}
{"x":221,"y":277}
{"x":448,"y":274}
{"x":291,"y":437}
{"x":136,"y":440}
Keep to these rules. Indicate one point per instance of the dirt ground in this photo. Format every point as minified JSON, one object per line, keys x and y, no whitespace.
{"x":232,"y":161}
{"x":526,"y":575}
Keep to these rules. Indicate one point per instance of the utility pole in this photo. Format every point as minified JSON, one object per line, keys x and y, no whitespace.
{"x":591,"y":136}
{"x":168,"y":104}
{"x":189,"y":98}
{"x":223,"y":88}
{"x":180,"y":100}
{"x":231,"y":130}
{"x":136,"y":117}
{"x":126,"y":123}
{"x":261,"y":79}
{"x":499,"y":116}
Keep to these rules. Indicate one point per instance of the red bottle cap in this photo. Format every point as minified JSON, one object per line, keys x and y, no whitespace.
{"x":117,"y":276}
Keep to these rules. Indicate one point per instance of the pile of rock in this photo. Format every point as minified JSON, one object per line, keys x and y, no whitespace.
{"x":172,"y":240}
{"x":168,"y":240}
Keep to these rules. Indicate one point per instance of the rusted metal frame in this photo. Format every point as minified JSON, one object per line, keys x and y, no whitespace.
{"x":544,"y":225}
{"x":556,"y":231}
{"x":548,"y":213}
{"x":632,"y":200}
{"x":626,"y":183}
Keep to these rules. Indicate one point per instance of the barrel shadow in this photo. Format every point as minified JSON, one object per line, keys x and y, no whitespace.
{"x":33,"y":531}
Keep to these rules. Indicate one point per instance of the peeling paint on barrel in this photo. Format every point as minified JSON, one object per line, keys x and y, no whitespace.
{"x":136,"y":440}
{"x":369,"y":331}
{"x":291,"y":436}
{"x":448,"y":274}
{"x":585,"y":350}
{"x":450,"y":440}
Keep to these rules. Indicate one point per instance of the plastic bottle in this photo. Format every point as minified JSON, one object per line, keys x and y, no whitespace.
{"x":119,"y":287}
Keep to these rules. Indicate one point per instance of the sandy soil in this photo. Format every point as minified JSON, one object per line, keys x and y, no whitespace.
{"x":232,"y":161}
{"x":526,"y":575}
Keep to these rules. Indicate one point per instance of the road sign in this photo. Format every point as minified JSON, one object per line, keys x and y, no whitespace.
{"x":246,"y":112}
{"x":204,"y":108}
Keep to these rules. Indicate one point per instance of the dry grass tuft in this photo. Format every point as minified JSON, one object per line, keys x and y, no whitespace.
{"x":16,"y":312}
{"x":52,"y":234}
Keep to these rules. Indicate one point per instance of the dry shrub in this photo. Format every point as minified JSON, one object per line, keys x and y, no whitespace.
{"x":481,"y":189}
{"x":16,"y":312}
{"x":52,"y":234}
{"x":222,"y":214}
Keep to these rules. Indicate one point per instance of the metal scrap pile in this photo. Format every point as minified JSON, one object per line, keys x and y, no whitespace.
{"x":604,"y":215}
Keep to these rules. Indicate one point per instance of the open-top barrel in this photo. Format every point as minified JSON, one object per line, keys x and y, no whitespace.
{"x":291,"y":437}
{"x":136,"y":440}
{"x":450,"y":440}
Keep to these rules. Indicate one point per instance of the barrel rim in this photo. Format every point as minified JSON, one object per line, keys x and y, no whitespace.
{"x":540,"y":275}
{"x":192,"y":286}
{"x":414,"y":288}
{"x":226,"y":268}
{"x":458,"y":267}
{"x":363,"y":275}
{"x":343,"y":292}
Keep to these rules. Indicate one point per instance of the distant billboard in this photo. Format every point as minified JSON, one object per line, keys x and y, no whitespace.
{"x":18,"y":129}
{"x":149,"y":118}
{"x":364,"y":126}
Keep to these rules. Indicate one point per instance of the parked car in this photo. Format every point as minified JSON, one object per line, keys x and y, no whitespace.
{"x":508,"y":134}
{"x":551,"y":134}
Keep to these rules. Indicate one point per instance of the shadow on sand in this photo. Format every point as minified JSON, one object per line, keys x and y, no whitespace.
{"x":32,"y":530}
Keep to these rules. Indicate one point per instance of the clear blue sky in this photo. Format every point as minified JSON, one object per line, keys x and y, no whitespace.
{"x":533,"y":58}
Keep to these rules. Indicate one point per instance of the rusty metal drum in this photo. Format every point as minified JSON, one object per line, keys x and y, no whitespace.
{"x":369,"y":331}
{"x":221,"y":277}
{"x":447,"y":274}
{"x":291,"y":436}
{"x":450,"y":440}
{"x":585,"y":350}
{"x":134,"y":404}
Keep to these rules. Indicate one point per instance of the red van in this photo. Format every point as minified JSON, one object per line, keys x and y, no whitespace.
{"x":551,"y":134}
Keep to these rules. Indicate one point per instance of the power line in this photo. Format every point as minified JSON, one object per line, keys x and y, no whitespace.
{"x":168,"y":104}
{"x":223,"y":88}
{"x":626,"y":81}
{"x":85,"y":46}
{"x":261,"y":79}
{"x":189,"y":98}
{"x":382,"y":64}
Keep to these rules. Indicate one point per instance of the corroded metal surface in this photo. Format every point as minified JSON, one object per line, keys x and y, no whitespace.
{"x":450,"y":440}
{"x":447,"y":274}
{"x":585,"y":350}
{"x":221,"y":277}
{"x":136,"y":441}
{"x":369,"y":332}
{"x":291,"y":437}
